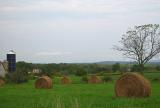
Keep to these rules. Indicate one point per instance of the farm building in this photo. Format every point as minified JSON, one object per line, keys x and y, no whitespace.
{"x":36,"y":71}
{"x":3,"y":68}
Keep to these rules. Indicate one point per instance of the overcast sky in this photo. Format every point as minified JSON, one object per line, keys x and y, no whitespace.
{"x":54,"y":31}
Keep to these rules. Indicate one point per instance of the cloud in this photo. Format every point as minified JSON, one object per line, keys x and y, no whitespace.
{"x":49,"y":5}
{"x":83,"y":6}
{"x":52,"y":53}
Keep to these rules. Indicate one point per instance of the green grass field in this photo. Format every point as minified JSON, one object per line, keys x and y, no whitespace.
{"x":76,"y":95}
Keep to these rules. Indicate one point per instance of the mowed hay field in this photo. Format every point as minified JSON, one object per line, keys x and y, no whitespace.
{"x":75,"y":95}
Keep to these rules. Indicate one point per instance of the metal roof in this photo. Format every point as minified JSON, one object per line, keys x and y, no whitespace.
{"x":11,"y":52}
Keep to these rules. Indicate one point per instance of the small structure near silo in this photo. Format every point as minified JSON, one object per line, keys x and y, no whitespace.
{"x":36,"y":71}
{"x":3,"y":68}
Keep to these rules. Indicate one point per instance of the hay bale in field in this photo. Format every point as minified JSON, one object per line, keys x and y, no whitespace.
{"x":65,"y":80}
{"x":94,"y":79}
{"x":43,"y":82}
{"x":2,"y":82}
{"x":132,"y":85}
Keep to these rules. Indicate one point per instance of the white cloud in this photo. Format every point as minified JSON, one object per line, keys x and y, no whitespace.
{"x":52,"y":53}
{"x":94,"y":6}
{"x":75,"y":5}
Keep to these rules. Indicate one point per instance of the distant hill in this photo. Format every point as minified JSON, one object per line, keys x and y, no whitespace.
{"x":154,"y":62}
{"x":126,"y":62}
{"x":112,"y":62}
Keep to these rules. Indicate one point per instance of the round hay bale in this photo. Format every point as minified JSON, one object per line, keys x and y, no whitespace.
{"x":65,"y":80}
{"x":132,"y":85}
{"x":43,"y":82}
{"x":2,"y":82}
{"x":94,"y":79}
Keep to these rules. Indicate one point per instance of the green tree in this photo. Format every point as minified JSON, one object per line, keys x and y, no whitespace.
{"x":81,"y":72}
{"x":115,"y":67}
{"x":158,"y":67}
{"x":136,"y":68}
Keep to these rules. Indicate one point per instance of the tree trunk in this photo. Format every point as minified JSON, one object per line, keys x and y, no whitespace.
{"x":141,"y":66}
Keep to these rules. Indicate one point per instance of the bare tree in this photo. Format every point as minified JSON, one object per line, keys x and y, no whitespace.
{"x":141,"y":43}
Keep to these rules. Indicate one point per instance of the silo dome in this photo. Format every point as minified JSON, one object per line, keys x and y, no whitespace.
{"x":11,"y":52}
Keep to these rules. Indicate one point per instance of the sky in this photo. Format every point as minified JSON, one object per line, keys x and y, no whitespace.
{"x":70,"y":31}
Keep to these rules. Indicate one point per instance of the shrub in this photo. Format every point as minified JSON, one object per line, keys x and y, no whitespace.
{"x":31,"y":77}
{"x":100,"y":73}
{"x":156,"y":79}
{"x":116,"y":67}
{"x":2,"y":78}
{"x":45,"y":73}
{"x":137,"y":68}
{"x":107,"y":79}
{"x":85,"y":79}
{"x":57,"y":74}
{"x":157,"y":68}
{"x":19,"y":76}
{"x":81,"y":72}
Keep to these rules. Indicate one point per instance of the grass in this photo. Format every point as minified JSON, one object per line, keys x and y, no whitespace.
{"x":77,"y":95}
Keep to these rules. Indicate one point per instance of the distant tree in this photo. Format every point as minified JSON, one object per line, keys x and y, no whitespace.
{"x":107,"y":78}
{"x":158,"y":67}
{"x":116,"y":67}
{"x":135,"y":68}
{"x":141,"y":43}
{"x":81,"y":72}
{"x":85,"y":79}
{"x":25,"y":66}
{"x":124,"y":68}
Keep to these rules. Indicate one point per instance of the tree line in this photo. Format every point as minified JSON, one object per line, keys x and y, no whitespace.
{"x":83,"y":69}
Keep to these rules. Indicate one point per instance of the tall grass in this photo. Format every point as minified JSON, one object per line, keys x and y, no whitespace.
{"x":77,"y":95}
